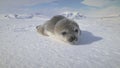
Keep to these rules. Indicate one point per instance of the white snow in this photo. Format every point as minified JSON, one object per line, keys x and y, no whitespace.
{"x":73,"y":15}
{"x":22,"y":47}
{"x":24,"y":16}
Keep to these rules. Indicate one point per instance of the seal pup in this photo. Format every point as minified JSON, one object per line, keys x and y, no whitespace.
{"x":61,"y":28}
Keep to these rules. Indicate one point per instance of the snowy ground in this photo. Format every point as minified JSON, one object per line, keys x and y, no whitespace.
{"x":22,"y":47}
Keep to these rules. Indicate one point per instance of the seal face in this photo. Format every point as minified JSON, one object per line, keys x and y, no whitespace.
{"x":61,"y":28}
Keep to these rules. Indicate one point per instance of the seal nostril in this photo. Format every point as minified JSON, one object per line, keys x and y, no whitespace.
{"x":74,"y":38}
{"x":71,"y":39}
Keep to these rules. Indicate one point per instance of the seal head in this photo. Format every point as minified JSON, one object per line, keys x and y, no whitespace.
{"x":67,"y":30}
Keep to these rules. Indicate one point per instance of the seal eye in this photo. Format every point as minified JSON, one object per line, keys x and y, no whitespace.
{"x":76,"y":30}
{"x":64,"y":33}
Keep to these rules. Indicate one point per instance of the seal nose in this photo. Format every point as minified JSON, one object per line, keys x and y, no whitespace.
{"x":72,"y":38}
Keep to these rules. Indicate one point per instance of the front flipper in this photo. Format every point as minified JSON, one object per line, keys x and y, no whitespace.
{"x":40,"y":29}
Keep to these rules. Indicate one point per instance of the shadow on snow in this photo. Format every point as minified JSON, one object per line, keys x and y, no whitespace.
{"x":88,"y":38}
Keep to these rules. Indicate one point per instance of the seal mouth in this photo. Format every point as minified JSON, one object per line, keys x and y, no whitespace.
{"x":72,"y":39}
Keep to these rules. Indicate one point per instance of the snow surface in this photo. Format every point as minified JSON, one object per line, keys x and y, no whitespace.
{"x":23,"y":16}
{"x":22,"y":47}
{"x":73,"y":15}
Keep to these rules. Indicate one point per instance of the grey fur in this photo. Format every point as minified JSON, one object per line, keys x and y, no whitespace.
{"x":59,"y":24}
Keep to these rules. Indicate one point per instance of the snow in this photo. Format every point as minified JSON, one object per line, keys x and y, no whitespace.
{"x":24,"y":16}
{"x":73,"y":15}
{"x":22,"y":47}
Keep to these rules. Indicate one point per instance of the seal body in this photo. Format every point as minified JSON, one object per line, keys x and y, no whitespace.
{"x":61,"y":28}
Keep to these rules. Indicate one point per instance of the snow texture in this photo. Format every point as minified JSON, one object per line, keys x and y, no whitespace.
{"x":73,"y":15}
{"x":22,"y":47}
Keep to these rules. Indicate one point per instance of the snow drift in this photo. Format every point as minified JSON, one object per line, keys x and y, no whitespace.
{"x":73,"y":15}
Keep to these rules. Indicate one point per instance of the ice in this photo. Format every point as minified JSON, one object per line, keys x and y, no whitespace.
{"x":22,"y":47}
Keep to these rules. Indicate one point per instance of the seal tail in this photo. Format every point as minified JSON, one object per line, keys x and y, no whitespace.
{"x":40,"y":29}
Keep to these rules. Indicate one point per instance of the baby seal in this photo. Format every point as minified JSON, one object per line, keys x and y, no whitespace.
{"x":61,"y":28}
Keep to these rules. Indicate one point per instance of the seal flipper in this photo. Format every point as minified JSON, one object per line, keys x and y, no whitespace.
{"x":40,"y":29}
